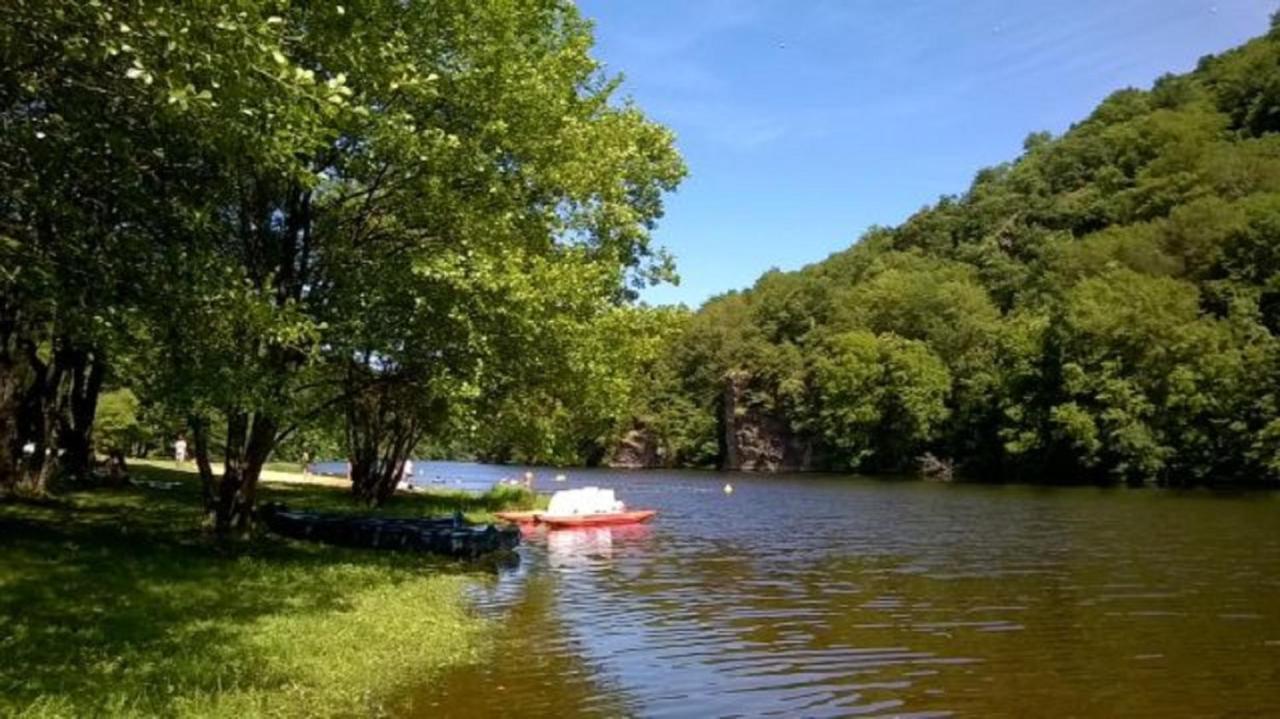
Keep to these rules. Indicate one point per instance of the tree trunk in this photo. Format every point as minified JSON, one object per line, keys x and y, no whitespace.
{"x":380,"y":438}
{"x":10,"y":442}
{"x":56,"y":413}
{"x":230,"y":499}
{"x":85,"y":370}
{"x":13,"y":378}
{"x":117,"y":468}
{"x":208,"y":486}
{"x":374,"y":480}
{"x":38,"y":412}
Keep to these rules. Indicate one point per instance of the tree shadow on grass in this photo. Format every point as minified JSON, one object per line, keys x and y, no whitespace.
{"x":118,"y":596}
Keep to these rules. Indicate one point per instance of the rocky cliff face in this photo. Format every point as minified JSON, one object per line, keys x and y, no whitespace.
{"x":638,"y":449}
{"x":753,"y":440}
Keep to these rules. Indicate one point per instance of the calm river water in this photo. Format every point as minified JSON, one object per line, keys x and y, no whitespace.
{"x":804,"y":596}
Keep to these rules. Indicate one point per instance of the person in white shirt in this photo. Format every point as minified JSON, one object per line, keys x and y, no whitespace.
{"x":180,"y":450}
{"x":406,"y":475}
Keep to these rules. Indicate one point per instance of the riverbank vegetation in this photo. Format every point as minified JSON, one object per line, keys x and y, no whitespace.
{"x":114,"y":602}
{"x":1103,"y":308}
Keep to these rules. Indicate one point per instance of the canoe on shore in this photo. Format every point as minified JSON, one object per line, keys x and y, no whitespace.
{"x":519,"y":517}
{"x":565,"y":521}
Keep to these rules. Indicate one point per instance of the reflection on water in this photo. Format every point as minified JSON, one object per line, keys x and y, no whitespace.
{"x":579,"y":547}
{"x":586,"y":547}
{"x":807,"y":596}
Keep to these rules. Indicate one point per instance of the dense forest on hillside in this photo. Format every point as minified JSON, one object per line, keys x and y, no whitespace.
{"x":1103,"y":308}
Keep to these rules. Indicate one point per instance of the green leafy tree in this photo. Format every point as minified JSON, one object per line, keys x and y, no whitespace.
{"x":118,"y":427}
{"x":437,"y":154}
{"x":294,"y":189}
{"x":878,"y":400}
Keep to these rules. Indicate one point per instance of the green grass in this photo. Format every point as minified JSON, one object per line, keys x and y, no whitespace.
{"x":431,"y":502}
{"x":295,"y":467}
{"x":114,"y":603}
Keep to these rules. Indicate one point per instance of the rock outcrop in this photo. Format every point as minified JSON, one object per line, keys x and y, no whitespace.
{"x":751,"y":439}
{"x":638,"y":449}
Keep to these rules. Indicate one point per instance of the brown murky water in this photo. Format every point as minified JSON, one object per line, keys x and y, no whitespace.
{"x":815,"y":597}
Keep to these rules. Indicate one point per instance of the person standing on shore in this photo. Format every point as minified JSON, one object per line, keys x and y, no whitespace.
{"x":406,"y":475}
{"x":180,"y":450}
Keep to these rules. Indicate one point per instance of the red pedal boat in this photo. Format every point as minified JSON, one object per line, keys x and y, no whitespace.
{"x":602,"y":519}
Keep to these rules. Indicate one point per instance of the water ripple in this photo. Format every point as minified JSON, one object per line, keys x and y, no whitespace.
{"x":810,"y":597}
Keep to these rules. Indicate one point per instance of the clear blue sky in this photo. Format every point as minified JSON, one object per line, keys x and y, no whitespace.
{"x":806,"y":121}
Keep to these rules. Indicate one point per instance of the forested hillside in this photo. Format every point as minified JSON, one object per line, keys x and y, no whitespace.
{"x":1103,"y":308}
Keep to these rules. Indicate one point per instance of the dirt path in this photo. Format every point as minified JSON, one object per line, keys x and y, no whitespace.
{"x":268,"y":475}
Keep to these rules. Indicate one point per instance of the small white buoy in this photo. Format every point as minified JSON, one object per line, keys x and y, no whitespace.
{"x":561,"y":478}
{"x":728,"y":488}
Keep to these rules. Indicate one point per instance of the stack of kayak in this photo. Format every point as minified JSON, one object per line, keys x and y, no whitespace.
{"x":585,"y":507}
{"x":445,"y":535}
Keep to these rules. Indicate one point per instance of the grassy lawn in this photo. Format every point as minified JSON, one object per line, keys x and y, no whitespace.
{"x":114,"y":603}
{"x":295,"y":467}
